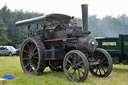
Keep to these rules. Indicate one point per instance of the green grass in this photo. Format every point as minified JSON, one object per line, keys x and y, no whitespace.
{"x":11,"y":65}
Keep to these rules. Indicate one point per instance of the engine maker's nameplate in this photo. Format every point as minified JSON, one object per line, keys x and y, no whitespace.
{"x":108,"y":43}
{"x":125,"y":43}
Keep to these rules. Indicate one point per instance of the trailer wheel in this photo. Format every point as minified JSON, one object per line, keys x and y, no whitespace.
{"x":32,"y":56}
{"x":103,"y":67}
{"x":75,"y":66}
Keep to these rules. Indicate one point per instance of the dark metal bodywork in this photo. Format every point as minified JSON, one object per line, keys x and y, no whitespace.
{"x":65,"y":36}
{"x":62,"y":45}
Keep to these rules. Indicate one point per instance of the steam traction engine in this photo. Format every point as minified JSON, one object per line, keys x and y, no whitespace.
{"x":63,"y":46}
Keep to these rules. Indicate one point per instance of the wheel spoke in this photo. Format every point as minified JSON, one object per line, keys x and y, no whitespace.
{"x":69,"y":61}
{"x":27,"y":65}
{"x":102,"y":68}
{"x":26,"y":58}
{"x":27,"y":45}
{"x":82,"y":66}
{"x":26,"y":51}
{"x":100,"y":71}
{"x":32,"y":46}
{"x":36,"y":62}
{"x":69,"y":69}
{"x":30,"y":69}
{"x":96,"y":70}
{"x":34,"y":49}
{"x":104,"y":59}
{"x":79,"y":73}
{"x":79,"y":63}
{"x":35,"y":53}
{"x":73,"y":73}
{"x":74,"y":58}
{"x":68,"y":66}
{"x":36,"y":57}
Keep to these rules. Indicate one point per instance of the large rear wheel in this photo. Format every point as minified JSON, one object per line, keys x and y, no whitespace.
{"x":75,"y":66}
{"x":32,"y":56}
{"x":101,"y":64}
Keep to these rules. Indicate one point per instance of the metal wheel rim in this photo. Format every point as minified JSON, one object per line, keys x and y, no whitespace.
{"x":75,"y":67}
{"x":30,"y":56}
{"x":102,"y":68}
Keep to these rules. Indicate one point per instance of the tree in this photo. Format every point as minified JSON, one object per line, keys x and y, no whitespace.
{"x":16,"y":34}
{"x":3,"y":35}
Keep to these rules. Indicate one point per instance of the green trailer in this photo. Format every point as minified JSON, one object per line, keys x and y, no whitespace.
{"x":116,"y":46}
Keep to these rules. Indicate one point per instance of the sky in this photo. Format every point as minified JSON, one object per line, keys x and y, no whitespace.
{"x":100,"y":8}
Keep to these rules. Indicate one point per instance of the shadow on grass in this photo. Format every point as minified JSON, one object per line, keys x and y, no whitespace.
{"x":53,"y":74}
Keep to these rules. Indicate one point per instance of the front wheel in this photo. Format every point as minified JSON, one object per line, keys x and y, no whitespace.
{"x":103,"y":63}
{"x":75,"y":66}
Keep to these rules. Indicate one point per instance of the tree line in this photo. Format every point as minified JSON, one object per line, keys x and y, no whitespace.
{"x":11,"y":35}
{"x":108,"y":26}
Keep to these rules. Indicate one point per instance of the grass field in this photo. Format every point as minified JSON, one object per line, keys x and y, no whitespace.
{"x":11,"y":65}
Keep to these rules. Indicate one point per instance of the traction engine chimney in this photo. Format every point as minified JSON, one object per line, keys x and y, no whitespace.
{"x":85,"y":17}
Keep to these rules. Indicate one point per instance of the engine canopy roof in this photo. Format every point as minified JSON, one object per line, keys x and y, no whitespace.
{"x":48,"y":20}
